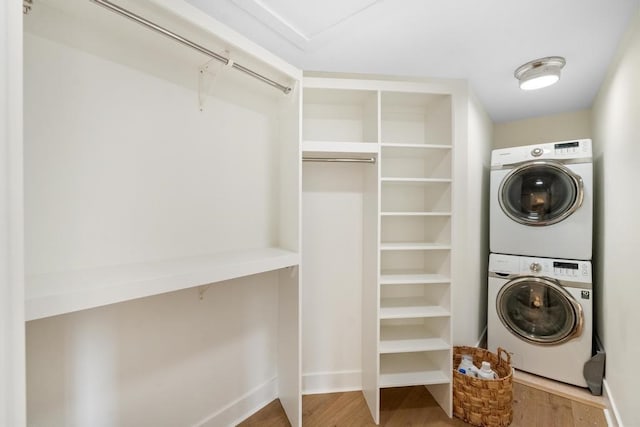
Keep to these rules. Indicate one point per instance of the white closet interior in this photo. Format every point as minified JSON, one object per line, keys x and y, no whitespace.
{"x":168,"y":184}
{"x":169,"y":200}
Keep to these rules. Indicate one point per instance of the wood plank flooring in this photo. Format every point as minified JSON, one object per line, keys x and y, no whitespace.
{"x":414,"y":406}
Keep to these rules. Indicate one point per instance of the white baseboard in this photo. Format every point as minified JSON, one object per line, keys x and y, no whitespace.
{"x":240,"y":409}
{"x":331,"y":382}
{"x":611,"y":413}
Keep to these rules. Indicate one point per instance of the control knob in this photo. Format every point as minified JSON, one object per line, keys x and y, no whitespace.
{"x":536,"y":152}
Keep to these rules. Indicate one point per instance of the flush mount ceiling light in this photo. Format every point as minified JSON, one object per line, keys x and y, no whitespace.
{"x":540,"y":73}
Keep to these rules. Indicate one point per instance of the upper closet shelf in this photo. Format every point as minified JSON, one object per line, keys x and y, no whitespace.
{"x":324,"y":147}
{"x":418,"y":147}
{"x":59,"y":293}
{"x":416,"y":180}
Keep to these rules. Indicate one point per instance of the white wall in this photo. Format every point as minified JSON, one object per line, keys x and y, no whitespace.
{"x":128,"y":169}
{"x":557,"y":127}
{"x":12,"y":391}
{"x":470,"y":290}
{"x":616,"y":136}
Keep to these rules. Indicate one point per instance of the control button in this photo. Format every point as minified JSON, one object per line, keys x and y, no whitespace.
{"x":536,"y":152}
{"x":535,"y":267}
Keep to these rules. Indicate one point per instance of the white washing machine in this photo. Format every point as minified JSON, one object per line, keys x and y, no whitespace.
{"x":540,"y":311}
{"x":541,"y":200}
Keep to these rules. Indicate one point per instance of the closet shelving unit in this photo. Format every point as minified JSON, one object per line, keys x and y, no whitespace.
{"x":407,"y":243}
{"x":415,"y":246}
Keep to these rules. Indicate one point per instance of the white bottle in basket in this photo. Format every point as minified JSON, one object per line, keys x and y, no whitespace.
{"x":485,"y":372}
{"x":466,"y":366}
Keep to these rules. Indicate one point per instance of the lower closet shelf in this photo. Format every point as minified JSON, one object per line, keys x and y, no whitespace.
{"x":404,"y":308}
{"x":406,"y":369}
{"x":410,"y":278}
{"x":409,"y":338}
{"x":58,"y":293}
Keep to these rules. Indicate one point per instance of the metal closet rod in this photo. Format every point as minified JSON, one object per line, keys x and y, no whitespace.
{"x":340,"y":159}
{"x":155,"y":27}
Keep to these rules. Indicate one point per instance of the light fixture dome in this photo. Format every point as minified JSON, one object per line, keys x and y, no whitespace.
{"x":540,"y":73}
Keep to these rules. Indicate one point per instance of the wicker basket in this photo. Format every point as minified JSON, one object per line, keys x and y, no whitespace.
{"x":483,"y":402}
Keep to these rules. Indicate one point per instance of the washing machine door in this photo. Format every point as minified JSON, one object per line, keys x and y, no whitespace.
{"x":540,"y":193}
{"x":538,"y":310}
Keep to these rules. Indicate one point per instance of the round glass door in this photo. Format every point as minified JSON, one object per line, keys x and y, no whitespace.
{"x":539,"y":311}
{"x":540,"y":193}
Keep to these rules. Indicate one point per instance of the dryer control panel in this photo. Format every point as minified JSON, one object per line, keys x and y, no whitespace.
{"x":578,"y":150}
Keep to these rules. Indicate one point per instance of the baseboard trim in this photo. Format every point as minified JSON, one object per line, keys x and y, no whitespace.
{"x":611,"y":412}
{"x":243,"y":407}
{"x":331,"y":382}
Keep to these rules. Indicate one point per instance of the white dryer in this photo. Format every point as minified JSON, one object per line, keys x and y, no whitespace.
{"x":541,"y":200}
{"x":540,"y":310}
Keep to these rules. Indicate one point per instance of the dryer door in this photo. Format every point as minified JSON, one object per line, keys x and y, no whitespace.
{"x":538,"y":310}
{"x":540,"y":193}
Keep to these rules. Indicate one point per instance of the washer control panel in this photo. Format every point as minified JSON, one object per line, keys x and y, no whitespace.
{"x":566,"y":269}
{"x":561,"y":269}
{"x":568,"y":148}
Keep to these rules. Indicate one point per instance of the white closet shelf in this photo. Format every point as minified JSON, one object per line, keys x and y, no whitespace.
{"x":407,"y":369}
{"x":417,"y":180}
{"x":415,"y":246}
{"x":323,"y":147}
{"x":388,"y":213}
{"x":58,"y":293}
{"x":408,"y":338}
{"x":411,"y":278}
{"x":409,"y":307}
{"x":410,"y":150}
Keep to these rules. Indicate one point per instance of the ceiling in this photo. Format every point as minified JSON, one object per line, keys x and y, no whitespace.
{"x":481,"y":41}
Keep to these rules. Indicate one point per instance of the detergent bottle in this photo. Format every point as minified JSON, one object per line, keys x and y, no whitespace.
{"x":485,"y":372}
{"x":466,"y":366}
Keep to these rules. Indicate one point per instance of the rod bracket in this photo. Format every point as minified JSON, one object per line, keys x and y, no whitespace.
{"x":207,"y":74}
{"x":26,"y":6}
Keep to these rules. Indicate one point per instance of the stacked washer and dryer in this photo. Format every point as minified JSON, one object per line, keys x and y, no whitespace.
{"x":540,"y":299}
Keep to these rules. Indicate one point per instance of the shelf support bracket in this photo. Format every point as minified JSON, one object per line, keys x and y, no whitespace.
{"x":201,"y":290}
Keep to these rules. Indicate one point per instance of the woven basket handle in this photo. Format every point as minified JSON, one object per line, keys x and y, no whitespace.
{"x":502,"y":353}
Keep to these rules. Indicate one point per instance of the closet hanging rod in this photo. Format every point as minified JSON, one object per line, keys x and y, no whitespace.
{"x":340,"y":159}
{"x":155,"y":27}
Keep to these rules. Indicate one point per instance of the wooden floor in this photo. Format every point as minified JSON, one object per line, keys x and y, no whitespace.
{"x":414,"y":406}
